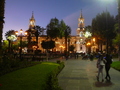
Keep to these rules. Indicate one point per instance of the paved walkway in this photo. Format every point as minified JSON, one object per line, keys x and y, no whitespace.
{"x":81,"y":75}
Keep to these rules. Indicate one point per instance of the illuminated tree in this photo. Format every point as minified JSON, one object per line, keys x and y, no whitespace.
{"x":10,"y":36}
{"x":9,"y":33}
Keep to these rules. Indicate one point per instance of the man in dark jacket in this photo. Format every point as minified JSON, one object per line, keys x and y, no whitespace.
{"x":108,"y":62}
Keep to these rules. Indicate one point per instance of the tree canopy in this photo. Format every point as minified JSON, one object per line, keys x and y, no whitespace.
{"x":103,"y":28}
{"x":53,"y":30}
{"x":48,"y":44}
{"x":103,"y":25}
{"x":2,"y":10}
{"x":57,"y":28}
{"x":9,"y":33}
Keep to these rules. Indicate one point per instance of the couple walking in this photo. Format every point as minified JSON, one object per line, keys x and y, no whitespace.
{"x":104,"y":60}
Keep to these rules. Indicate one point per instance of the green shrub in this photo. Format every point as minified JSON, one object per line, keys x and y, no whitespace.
{"x":52,"y":82}
{"x":58,"y":61}
{"x":38,"y":77}
{"x":9,"y":63}
{"x":116,"y":65}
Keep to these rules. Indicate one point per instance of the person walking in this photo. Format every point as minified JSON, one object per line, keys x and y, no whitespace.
{"x":100,"y":65}
{"x":91,"y":57}
{"x":66,"y":56}
{"x":108,"y":62}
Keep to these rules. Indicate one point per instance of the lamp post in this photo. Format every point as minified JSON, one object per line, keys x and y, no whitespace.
{"x":20,"y":34}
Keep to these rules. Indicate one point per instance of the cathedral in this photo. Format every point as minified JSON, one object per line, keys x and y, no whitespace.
{"x":78,"y":41}
{"x":80,"y":37}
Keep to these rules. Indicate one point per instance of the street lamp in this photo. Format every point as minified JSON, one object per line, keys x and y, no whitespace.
{"x":88,"y":44}
{"x":20,"y":34}
{"x":93,"y":44}
{"x":94,"y":40}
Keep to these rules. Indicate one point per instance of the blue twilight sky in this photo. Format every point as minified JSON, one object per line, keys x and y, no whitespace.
{"x":18,"y":12}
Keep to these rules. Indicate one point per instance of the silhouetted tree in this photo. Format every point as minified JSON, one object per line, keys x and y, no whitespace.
{"x":62,"y":28}
{"x":88,"y":28}
{"x":9,"y":33}
{"x":2,"y":10}
{"x":48,"y":44}
{"x":38,"y":32}
{"x":103,"y":28}
{"x":52,"y":28}
{"x":10,"y":36}
{"x":67,"y":33}
{"x":29,"y":37}
{"x":58,"y":29}
{"x":71,"y":48}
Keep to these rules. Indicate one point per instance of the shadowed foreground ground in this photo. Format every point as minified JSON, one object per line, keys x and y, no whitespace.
{"x":81,"y":75}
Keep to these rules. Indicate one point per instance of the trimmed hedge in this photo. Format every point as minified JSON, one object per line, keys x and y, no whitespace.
{"x":53,"y":80}
{"x":9,"y":65}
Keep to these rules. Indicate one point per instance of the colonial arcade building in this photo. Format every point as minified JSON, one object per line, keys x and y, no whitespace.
{"x":77,"y":41}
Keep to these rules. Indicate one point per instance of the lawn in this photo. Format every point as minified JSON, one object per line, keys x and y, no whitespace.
{"x":116,"y":65}
{"x":30,"y":78}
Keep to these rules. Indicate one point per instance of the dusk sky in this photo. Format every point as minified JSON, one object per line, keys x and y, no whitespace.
{"x":18,"y":12}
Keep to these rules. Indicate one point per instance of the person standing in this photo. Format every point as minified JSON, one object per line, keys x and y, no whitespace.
{"x":66,"y":56}
{"x":108,"y":62}
{"x":91,"y":57}
{"x":100,"y":65}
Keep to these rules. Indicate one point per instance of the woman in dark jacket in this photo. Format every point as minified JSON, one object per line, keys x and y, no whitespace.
{"x":108,"y":61}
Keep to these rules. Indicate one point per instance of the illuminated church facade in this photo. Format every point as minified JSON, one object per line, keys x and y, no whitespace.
{"x":77,"y":41}
{"x":80,"y":38}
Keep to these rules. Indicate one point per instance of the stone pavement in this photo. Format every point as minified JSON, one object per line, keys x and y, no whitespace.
{"x":81,"y":75}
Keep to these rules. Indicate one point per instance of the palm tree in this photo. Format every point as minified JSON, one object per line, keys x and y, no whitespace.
{"x":9,"y":33}
{"x":10,"y":36}
{"x":38,"y":32}
{"x":67,"y":33}
{"x":29,"y":37}
{"x":2,"y":7}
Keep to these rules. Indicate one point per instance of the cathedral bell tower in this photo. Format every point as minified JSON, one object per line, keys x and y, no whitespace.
{"x":32,"y":26}
{"x":32,"y":22}
{"x":80,"y":38}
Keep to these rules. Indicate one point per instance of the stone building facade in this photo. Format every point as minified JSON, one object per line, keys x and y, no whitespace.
{"x":78,"y":41}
